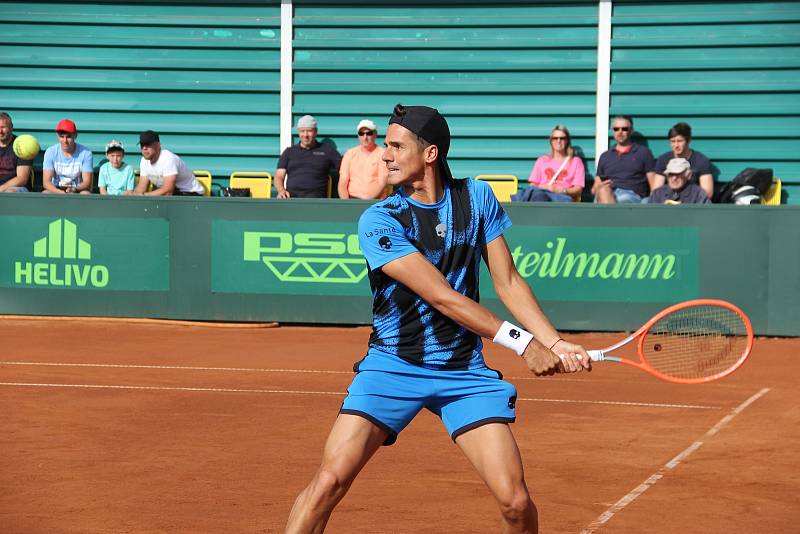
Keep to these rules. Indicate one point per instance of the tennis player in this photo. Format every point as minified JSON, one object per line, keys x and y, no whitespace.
{"x":423,"y":246}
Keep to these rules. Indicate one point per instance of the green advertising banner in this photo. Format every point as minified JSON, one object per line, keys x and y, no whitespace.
{"x":561,"y":263}
{"x":85,"y":253}
{"x":283,"y":257}
{"x":606,"y":264}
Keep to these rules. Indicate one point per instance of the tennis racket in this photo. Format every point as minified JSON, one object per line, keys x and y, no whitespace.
{"x":689,"y":343}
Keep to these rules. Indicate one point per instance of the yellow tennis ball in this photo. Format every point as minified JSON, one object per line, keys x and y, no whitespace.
{"x":26,"y":147}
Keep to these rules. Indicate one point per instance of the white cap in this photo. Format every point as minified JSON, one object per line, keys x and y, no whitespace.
{"x":307,"y":121}
{"x":114,"y":144}
{"x":368,"y":124}
{"x":677,"y":166}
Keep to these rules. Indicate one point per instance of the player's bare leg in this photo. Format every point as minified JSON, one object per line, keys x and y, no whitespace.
{"x":493,"y":451}
{"x":352,"y":442}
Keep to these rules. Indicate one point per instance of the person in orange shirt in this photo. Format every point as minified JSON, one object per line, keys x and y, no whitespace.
{"x":362,"y":173}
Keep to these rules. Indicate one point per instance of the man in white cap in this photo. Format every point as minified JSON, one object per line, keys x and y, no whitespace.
{"x":679,"y":189}
{"x":303,"y":169}
{"x":363,"y":174}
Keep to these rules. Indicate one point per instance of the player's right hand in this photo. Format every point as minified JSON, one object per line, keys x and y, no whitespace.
{"x":541,"y":360}
{"x":283,"y":194}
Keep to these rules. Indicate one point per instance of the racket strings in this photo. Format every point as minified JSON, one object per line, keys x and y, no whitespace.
{"x":696,"y":342}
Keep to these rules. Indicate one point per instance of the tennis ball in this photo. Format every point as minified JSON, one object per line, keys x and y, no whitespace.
{"x":26,"y":147}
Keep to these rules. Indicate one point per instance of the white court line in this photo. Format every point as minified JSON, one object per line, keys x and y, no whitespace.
{"x":299,"y":392}
{"x":182,"y":367}
{"x":248,"y":369}
{"x":168,"y":388}
{"x":655,"y":477}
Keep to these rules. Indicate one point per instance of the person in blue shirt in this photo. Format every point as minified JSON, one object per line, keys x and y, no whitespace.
{"x":68,"y":166}
{"x":423,"y":247}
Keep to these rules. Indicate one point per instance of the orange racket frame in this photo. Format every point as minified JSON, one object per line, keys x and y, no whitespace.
{"x":640,"y":334}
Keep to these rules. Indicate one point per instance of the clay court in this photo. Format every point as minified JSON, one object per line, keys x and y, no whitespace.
{"x":125,"y":427}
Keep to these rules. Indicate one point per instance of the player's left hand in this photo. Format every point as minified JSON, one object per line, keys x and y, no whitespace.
{"x":573,"y":356}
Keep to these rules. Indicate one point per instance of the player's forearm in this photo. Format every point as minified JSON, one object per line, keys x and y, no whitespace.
{"x":518,"y":298}
{"x":467,"y":313}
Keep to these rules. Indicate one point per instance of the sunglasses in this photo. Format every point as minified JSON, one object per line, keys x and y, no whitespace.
{"x":621,"y":128}
{"x":366,"y":132}
{"x":558,"y":138}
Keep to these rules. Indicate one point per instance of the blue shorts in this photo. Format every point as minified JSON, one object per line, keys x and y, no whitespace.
{"x":390,"y":392}
{"x":626,"y":196}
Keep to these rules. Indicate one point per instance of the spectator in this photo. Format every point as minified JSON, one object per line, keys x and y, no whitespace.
{"x":68,"y":166}
{"x":626,"y":172}
{"x":165,"y":170}
{"x":679,"y":188}
{"x":363,"y":174}
{"x":116,"y":176}
{"x":14,"y":172}
{"x":303,"y":169}
{"x":679,"y":137}
{"x":558,"y":176}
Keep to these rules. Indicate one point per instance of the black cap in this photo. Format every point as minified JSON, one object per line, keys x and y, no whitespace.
{"x":148,"y":138}
{"x":428,"y":124}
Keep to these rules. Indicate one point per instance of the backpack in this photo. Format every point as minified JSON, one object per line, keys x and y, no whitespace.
{"x":747,"y":187}
{"x":234,"y":192}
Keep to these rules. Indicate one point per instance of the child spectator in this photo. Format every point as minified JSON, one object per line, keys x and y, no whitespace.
{"x":116,"y":176}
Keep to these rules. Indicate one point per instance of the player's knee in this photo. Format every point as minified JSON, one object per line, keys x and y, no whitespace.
{"x":330,"y":487}
{"x":516,"y":506}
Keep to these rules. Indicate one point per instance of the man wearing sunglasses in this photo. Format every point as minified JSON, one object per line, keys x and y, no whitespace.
{"x":626,"y":172}
{"x":363,"y":174}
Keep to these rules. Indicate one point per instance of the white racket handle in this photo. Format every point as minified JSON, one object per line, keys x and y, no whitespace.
{"x":595,"y":355}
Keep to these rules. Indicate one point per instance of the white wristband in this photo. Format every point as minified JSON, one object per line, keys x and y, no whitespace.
{"x":513,"y":337}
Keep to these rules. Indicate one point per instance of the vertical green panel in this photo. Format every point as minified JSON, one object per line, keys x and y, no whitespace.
{"x":729,"y":69}
{"x":503,"y":74}
{"x":184,"y":69}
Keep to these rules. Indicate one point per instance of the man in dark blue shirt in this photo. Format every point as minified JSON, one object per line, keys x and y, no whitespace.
{"x":626,"y":172}
{"x":679,"y":188}
{"x":423,"y":247}
{"x":679,"y":137}
{"x":305,"y":168}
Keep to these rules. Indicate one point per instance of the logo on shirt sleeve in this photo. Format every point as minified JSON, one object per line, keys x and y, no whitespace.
{"x":385,"y":243}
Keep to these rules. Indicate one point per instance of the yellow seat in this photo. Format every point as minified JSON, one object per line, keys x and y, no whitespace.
{"x":773,"y":194}
{"x":204,"y":177}
{"x":259,"y":183}
{"x":503,"y":185}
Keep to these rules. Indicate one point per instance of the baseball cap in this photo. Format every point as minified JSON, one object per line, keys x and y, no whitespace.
{"x":368,"y":124}
{"x":148,"y":137}
{"x":677,"y":166}
{"x":307,"y":121}
{"x":66,"y":125}
{"x":114,"y":144}
{"x":428,"y":124}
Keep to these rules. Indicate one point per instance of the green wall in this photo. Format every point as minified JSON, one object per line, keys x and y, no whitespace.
{"x":504,"y":74}
{"x":228,"y":259}
{"x":207,"y":76}
{"x":729,"y":69}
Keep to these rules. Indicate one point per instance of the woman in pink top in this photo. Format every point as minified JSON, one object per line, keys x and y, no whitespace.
{"x":558,"y":176}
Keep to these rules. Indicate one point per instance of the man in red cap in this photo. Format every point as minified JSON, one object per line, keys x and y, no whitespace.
{"x":423,"y":247}
{"x":68,"y":166}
